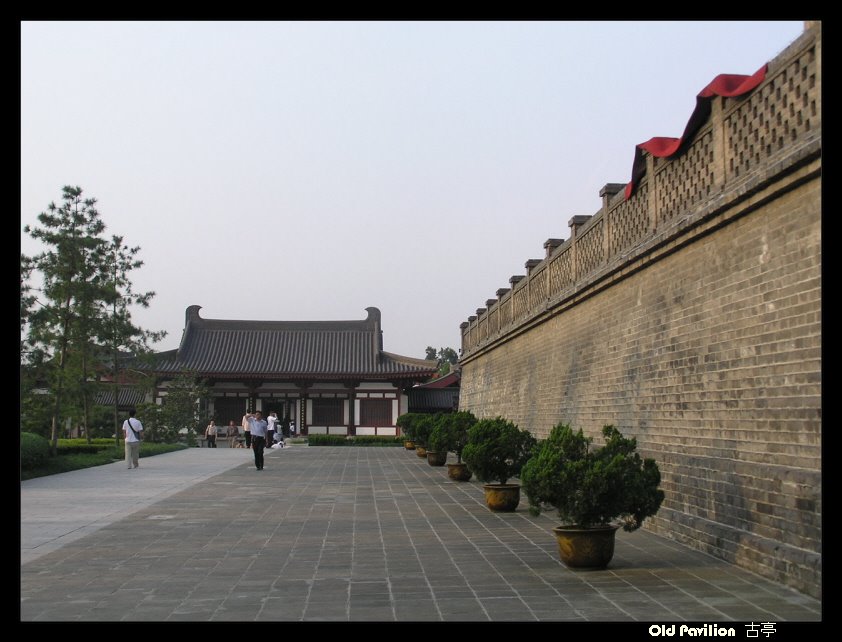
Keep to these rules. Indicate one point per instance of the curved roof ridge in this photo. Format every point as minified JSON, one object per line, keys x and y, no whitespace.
{"x":289,"y":348}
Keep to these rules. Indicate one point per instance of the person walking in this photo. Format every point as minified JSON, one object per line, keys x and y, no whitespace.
{"x":271,"y":427}
{"x":132,"y":432}
{"x":247,"y":430}
{"x":232,"y":434}
{"x":258,"y":437}
{"x":210,"y":434}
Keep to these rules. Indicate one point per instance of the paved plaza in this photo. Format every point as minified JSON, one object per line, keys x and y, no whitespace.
{"x":347,"y":534}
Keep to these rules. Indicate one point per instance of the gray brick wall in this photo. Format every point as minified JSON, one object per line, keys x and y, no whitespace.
{"x":706,"y":346}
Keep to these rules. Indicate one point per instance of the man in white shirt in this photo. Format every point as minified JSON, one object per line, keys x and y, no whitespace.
{"x":271,"y":427}
{"x":132,"y":431}
{"x":258,"y":437}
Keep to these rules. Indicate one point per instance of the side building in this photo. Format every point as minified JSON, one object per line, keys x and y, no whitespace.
{"x":330,"y":377}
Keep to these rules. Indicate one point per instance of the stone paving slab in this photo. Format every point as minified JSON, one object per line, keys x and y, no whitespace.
{"x":342,"y":534}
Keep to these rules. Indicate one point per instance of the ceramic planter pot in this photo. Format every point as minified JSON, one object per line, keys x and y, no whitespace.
{"x":409,"y":445}
{"x":437,"y":457}
{"x":421,"y":451}
{"x":459,"y":472}
{"x":586,"y":547}
{"x":502,"y":498}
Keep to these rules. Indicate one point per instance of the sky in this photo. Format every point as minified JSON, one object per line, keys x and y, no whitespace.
{"x":309,"y":170}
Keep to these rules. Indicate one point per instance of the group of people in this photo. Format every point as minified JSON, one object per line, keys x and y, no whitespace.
{"x":212,"y":431}
{"x":255,"y":428}
{"x":264,"y":433}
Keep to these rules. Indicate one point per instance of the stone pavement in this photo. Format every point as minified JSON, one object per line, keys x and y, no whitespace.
{"x":348,"y":534}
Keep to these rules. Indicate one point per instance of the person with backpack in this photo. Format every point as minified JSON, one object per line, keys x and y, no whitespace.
{"x":132,"y":433}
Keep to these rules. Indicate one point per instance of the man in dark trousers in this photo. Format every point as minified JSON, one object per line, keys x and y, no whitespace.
{"x":258,"y":437}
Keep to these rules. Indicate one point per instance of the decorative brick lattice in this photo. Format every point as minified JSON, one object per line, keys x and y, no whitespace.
{"x":493,"y":321}
{"x":590,"y":250}
{"x":538,"y":290}
{"x":521,"y":304}
{"x":505,"y":312}
{"x":687,"y":179}
{"x":629,"y":221}
{"x":561,"y":276}
{"x":783,"y":109}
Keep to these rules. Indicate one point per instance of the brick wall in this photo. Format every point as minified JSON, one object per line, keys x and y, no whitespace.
{"x":690,"y":317}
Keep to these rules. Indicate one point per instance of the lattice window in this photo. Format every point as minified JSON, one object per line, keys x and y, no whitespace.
{"x":561,"y":276}
{"x":226,"y":409}
{"x":520,"y":303}
{"x":782,"y":110}
{"x":629,"y":221}
{"x":687,"y":179}
{"x":376,"y":412}
{"x":327,"y":412}
{"x":589,"y":250}
{"x":537,"y":290}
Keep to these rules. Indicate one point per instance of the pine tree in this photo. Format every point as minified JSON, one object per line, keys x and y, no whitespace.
{"x":120,"y":333}
{"x":71,"y":269}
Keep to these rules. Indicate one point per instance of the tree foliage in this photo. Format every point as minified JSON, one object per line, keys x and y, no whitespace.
{"x":180,"y":413}
{"x":77,"y":316}
{"x":445,"y":359}
{"x":120,"y":334}
{"x":71,"y":272}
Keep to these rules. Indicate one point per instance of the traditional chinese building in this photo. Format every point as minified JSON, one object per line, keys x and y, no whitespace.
{"x":330,"y":377}
{"x":439,"y":395}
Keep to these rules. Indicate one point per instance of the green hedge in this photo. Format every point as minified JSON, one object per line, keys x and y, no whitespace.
{"x":34,"y":450}
{"x":81,"y":446}
{"x":376,"y":440}
{"x":326,"y":440}
{"x":359,"y":440}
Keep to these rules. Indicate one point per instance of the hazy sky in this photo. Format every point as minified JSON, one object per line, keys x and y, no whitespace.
{"x":308,"y":170}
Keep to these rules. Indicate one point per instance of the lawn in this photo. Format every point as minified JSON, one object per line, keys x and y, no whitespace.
{"x":109,"y":453}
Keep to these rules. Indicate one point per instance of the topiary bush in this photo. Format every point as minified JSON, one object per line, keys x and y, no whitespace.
{"x":451,"y":432}
{"x":439,"y":439}
{"x":592,"y":487}
{"x":406,"y":422}
{"x":497,"y":449}
{"x":34,"y":450}
{"x":422,"y":427}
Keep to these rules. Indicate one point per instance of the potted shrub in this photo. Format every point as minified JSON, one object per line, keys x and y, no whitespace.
{"x":496,"y":451}
{"x":404,"y":422}
{"x":454,"y":432}
{"x":422,"y":428}
{"x":438,"y":443}
{"x":590,"y":489}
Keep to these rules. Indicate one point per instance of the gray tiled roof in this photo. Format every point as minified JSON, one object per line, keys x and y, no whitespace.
{"x":288,"y":349}
{"x":126,"y":397}
{"x":433,"y":399}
